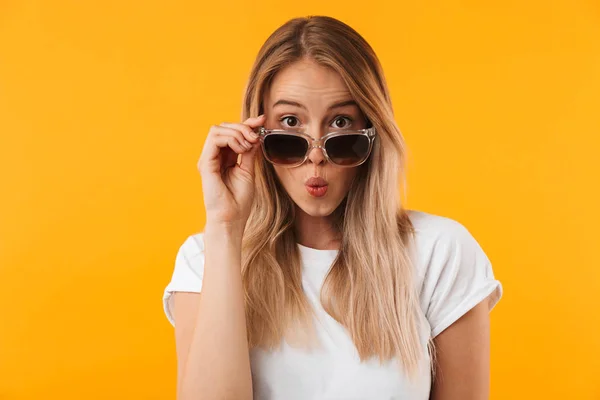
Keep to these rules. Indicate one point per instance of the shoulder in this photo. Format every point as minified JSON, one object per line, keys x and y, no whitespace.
{"x":190,"y":258}
{"x":188,"y":272}
{"x":193,"y":244}
{"x":437,"y":238}
{"x":444,"y":249}
{"x":453,"y":273}
{"x":431,"y":228}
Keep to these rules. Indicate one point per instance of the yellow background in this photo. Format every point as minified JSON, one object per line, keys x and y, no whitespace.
{"x":103,"y":110}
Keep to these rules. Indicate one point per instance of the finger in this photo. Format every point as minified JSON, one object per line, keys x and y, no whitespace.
{"x":217,"y":140}
{"x":247,"y":159}
{"x":225,"y":140}
{"x":221,"y":151}
{"x":222,"y":130}
{"x":246,"y":131}
{"x":255,"y":122}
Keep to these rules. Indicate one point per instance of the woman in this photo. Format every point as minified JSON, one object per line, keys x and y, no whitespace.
{"x":310,"y":280}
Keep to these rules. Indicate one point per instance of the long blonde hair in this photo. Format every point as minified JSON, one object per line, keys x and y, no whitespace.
{"x":370,"y":286}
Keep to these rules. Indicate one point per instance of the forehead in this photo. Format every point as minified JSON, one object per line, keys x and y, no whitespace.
{"x":308,"y":81}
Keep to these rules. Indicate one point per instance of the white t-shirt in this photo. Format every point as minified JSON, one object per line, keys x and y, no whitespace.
{"x":453,"y":275}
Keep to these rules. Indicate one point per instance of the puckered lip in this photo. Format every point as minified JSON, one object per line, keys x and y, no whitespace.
{"x":316,"y":181}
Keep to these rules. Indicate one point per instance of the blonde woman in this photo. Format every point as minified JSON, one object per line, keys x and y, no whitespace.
{"x":310,"y":280}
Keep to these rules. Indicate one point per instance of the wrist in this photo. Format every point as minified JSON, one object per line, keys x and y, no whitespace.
{"x":225,"y":229}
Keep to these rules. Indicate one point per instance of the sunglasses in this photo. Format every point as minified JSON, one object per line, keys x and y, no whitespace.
{"x":347,"y":148}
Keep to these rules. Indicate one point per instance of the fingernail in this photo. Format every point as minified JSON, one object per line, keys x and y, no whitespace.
{"x":254,"y":134}
{"x":247,"y":144}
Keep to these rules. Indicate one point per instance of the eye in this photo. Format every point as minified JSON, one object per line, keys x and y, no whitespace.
{"x":339,"y":122}
{"x":291,"y":121}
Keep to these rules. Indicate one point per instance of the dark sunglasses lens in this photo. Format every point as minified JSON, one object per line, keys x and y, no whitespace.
{"x":347,"y":149}
{"x":285,"y":149}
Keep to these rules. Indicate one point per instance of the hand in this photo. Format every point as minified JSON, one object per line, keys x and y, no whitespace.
{"x":228,"y":187}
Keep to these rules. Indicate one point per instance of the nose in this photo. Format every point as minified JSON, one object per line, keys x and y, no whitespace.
{"x":316,"y":156}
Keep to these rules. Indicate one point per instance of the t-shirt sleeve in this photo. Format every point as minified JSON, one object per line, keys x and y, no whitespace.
{"x":459,"y":277}
{"x":188,"y":272}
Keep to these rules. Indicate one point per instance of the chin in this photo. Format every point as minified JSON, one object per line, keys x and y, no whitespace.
{"x":318,"y":211}
{"x":317,"y":208}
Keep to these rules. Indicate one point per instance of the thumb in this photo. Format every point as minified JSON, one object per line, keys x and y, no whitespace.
{"x":247,"y":159}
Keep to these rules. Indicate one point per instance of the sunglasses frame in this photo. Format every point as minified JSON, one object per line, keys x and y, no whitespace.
{"x":370,"y":133}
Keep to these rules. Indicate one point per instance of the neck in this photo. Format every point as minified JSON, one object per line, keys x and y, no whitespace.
{"x":315,"y":232}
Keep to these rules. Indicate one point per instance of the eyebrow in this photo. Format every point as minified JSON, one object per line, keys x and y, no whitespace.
{"x":331,"y":107}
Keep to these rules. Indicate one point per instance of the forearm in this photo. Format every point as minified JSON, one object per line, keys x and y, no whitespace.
{"x":218,"y":364}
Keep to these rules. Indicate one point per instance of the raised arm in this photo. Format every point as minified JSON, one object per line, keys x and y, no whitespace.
{"x":210,"y":327}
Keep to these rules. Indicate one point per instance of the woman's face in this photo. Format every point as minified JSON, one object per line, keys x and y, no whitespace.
{"x":304,"y":95}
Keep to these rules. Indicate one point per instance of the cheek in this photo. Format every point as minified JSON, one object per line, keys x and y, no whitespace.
{"x":287,"y":177}
{"x":346,"y":177}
